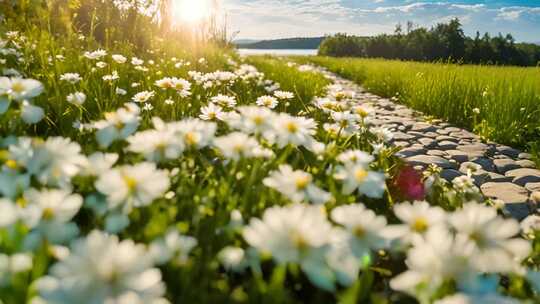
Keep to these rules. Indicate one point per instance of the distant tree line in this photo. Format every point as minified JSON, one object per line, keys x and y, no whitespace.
{"x":445,"y":41}
{"x":288,"y":43}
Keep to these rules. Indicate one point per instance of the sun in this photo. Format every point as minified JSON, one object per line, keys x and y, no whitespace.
{"x":190,"y":11}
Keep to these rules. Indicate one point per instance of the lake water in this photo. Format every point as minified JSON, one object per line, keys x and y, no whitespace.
{"x":281,"y":52}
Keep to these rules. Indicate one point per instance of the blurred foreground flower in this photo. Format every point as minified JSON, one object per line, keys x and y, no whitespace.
{"x":408,"y":182}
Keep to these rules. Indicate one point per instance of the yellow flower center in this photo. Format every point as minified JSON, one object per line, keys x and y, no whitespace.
{"x":12,"y":164}
{"x":359,"y":231}
{"x":17,"y":87}
{"x":190,"y":138}
{"x":478,"y":238}
{"x":420,"y":225}
{"x":292,"y":127}
{"x":131,"y":183}
{"x":360,"y":175}
{"x":21,"y":201}
{"x":361,"y":112}
{"x":302,"y":181}
{"x":48,"y":213}
{"x":258,"y":120}
{"x":339,"y":96}
{"x":238,"y":148}
{"x":299,"y":241}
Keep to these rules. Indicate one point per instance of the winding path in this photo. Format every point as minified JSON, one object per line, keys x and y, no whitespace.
{"x":501,"y":172}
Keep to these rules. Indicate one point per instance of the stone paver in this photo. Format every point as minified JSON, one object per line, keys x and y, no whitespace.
{"x":501,"y":172}
{"x":515,"y":197}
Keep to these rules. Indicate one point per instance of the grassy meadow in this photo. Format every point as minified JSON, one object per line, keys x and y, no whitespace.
{"x":164,"y":168}
{"x":498,"y":103}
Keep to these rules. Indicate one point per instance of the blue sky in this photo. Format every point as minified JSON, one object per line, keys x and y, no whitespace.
{"x":261,"y":19}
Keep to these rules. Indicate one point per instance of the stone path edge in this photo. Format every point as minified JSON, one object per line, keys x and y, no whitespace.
{"x":501,"y":172}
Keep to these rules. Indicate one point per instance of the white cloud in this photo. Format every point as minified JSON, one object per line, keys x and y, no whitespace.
{"x":288,"y":18}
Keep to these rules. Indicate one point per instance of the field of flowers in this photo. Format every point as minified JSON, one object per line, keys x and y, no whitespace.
{"x":168,"y":175}
{"x":499,"y":103}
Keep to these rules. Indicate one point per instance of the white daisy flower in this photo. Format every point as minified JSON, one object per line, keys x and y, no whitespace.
{"x":157,"y":145}
{"x":71,"y":77}
{"x":97,"y":54}
{"x":49,"y":214}
{"x":296,"y":131}
{"x":365,"y":227}
{"x":363,"y":111}
{"x":296,"y":233}
{"x":358,"y":177}
{"x":195,"y":133}
{"x":417,"y":219}
{"x":136,"y":61}
{"x":53,"y":162}
{"x":111,"y":77}
{"x":347,"y":122}
{"x":432,"y":260}
{"x":493,"y":236}
{"x":233,"y":258}
{"x":102,"y":269}
{"x":297,"y":185}
{"x":120,"y":91}
{"x":173,"y":246}
{"x":252,"y":120}
{"x":224,"y":100}
{"x":212,"y":112}
{"x":147,"y":107}
{"x":20,"y":89}
{"x":101,"y":64}
{"x":119,"y":58}
{"x":133,"y":186}
{"x":236,"y":145}
{"x":77,"y":98}
{"x":143,"y":96}
{"x":267,"y":101}
{"x":355,"y":157}
{"x":382,"y":134}
{"x":117,"y":125}
{"x":283,"y":95}
{"x":99,"y":163}
{"x":30,"y":113}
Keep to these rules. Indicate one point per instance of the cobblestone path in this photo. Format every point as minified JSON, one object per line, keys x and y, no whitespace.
{"x":501,"y":172}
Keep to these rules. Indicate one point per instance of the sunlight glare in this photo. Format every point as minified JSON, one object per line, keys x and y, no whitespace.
{"x":190,"y":11}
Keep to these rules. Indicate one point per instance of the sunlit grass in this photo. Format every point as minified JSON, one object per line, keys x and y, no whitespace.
{"x":305,"y":85}
{"x":508,"y":97}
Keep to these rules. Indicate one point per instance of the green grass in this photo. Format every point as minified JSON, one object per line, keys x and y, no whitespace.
{"x":205,"y":186}
{"x":508,"y":97}
{"x":305,"y":85}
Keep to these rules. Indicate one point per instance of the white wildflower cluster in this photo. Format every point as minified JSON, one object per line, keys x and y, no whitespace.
{"x":20,"y":92}
{"x":117,"y":125}
{"x":192,"y":170}
{"x":249,"y":72}
{"x":347,"y":116}
{"x":358,"y":176}
{"x":302,"y":234}
{"x":180,"y":85}
{"x":213,"y":79}
{"x":102,"y":269}
{"x":280,"y":129}
{"x":460,"y":246}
